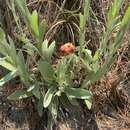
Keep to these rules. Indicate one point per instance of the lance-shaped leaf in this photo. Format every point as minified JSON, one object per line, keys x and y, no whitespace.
{"x":42,"y":29}
{"x":40,"y":106}
{"x":36,"y":92}
{"x":47,"y":50}
{"x":19,"y":94}
{"x":30,"y":48}
{"x":4,"y":46}
{"x":53,"y":107}
{"x":34,"y":23}
{"x":114,"y":10}
{"x":83,"y":20}
{"x":22,"y":6}
{"x":48,"y":96}
{"x":8,"y":77}
{"x":46,"y":70}
{"x":61,"y":73}
{"x":13,"y":53}
{"x":88,"y":103}
{"x":6,"y":64}
{"x":78,"y":93}
{"x":126,"y":19}
{"x":22,"y":67}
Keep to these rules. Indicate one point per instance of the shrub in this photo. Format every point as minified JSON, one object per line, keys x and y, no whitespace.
{"x":69,"y":79}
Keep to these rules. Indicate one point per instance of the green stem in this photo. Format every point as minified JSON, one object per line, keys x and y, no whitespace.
{"x":83,"y":20}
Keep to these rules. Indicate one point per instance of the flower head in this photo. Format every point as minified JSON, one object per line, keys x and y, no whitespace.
{"x":67,"y":48}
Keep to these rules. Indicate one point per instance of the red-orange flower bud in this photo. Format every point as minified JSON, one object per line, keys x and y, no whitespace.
{"x":67,"y":48}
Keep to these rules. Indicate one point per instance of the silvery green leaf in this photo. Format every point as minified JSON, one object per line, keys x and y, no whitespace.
{"x":48,"y":96}
{"x":78,"y":93}
{"x":8,"y":77}
{"x":42,"y":29}
{"x":88,"y":103}
{"x":48,"y":50}
{"x":6,"y":64}
{"x":46,"y":70}
{"x":19,"y":94}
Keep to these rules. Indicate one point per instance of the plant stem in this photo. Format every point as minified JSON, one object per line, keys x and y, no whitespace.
{"x":83,"y":20}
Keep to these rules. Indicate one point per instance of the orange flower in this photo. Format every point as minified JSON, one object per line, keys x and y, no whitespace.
{"x":67,"y":48}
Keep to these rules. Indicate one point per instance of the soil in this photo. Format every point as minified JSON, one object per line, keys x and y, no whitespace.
{"x":18,"y":120}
